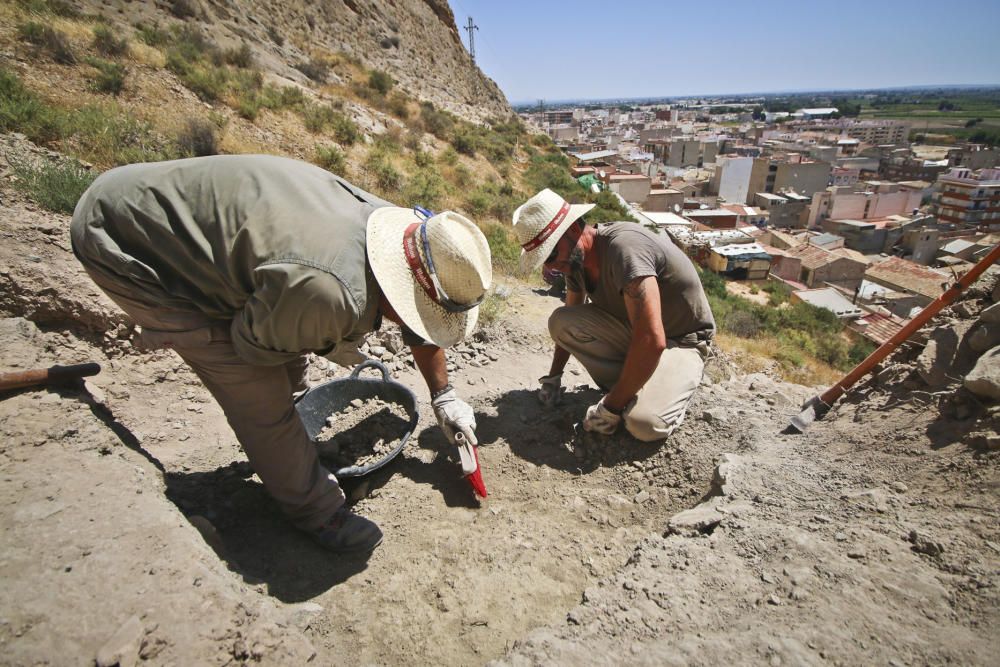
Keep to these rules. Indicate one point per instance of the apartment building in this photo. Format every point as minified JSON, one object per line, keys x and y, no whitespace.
{"x":969,"y":199}
{"x":785,"y":211}
{"x":867,"y":200}
{"x":876,"y":132}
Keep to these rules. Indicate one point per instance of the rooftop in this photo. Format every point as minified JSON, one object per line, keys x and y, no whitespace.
{"x":830,"y":299}
{"x":584,"y":157}
{"x":877,"y":327}
{"x":909,"y":276}
{"x":958,"y":245}
{"x":739,"y":249}
{"x":813,"y":257}
{"x":666,"y":219}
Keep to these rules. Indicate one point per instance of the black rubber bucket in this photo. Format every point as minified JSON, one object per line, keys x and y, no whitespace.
{"x":321,"y":401}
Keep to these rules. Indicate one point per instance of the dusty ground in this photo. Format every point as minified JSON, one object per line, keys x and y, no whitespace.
{"x":130,"y":520}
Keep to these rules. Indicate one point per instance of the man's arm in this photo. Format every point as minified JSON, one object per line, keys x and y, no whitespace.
{"x":642,"y":301}
{"x":559,"y":355}
{"x":430,"y":359}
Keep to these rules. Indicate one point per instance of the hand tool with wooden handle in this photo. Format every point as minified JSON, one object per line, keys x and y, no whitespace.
{"x":818,"y":406}
{"x":51,"y":375}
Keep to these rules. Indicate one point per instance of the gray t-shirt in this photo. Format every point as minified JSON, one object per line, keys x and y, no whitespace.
{"x":631,"y":251}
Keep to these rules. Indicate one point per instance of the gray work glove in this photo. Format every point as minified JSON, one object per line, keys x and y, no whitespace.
{"x":453,"y":415}
{"x":601,"y":420}
{"x":551,"y":390}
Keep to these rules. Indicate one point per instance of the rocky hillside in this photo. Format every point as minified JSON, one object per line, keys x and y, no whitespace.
{"x":414,"y":41}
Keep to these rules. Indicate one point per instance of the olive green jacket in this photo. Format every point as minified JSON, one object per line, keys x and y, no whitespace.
{"x":274,"y":246}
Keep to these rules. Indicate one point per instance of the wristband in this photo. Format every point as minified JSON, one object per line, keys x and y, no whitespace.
{"x":441,"y":392}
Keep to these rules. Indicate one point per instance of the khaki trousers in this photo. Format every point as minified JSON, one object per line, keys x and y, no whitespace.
{"x":600,"y":342}
{"x":257,"y":402}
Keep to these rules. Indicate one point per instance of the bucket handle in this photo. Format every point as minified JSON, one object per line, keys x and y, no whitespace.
{"x":370,"y":363}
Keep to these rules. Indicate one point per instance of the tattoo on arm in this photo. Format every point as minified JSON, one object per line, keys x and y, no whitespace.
{"x":635,"y":289}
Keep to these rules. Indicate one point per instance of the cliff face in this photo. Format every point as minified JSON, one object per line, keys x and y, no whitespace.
{"x":416,"y":41}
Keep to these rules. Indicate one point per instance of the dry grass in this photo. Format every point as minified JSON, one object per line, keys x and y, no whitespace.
{"x":144,"y":54}
{"x":754,"y":355}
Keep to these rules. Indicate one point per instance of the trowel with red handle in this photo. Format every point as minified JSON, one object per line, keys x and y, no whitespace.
{"x":470,"y":464}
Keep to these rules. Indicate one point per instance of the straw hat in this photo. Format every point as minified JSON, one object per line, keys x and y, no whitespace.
{"x":433,"y":270}
{"x":539,"y":224}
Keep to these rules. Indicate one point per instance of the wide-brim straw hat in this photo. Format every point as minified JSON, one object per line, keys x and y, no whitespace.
{"x":459,"y":255}
{"x":540,"y":222}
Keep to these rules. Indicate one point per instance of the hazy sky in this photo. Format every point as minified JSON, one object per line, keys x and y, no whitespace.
{"x":633,"y":48}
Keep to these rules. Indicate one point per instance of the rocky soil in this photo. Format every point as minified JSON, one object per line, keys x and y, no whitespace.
{"x":416,"y":41}
{"x":132,"y":530}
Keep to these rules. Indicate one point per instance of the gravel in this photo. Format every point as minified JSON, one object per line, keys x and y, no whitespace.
{"x":362,"y":433}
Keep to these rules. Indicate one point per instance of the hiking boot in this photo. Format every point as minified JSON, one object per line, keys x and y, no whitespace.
{"x":346,"y":532}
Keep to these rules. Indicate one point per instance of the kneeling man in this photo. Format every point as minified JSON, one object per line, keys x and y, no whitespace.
{"x":647,"y":329}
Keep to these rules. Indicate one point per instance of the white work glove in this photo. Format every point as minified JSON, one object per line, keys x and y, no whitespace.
{"x":601,"y":420}
{"x":551,"y":390}
{"x":454,"y":415}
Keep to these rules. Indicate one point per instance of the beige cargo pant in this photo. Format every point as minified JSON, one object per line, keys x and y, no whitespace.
{"x":257,"y":402}
{"x":600,"y":342}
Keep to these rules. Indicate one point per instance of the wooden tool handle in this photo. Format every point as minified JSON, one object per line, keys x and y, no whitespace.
{"x":55,"y":374}
{"x":932,"y":309}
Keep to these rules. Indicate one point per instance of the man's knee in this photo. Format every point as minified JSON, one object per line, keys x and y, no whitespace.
{"x":648,"y":426}
{"x":559,"y":323}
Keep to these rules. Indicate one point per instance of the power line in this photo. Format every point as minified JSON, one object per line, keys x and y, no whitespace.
{"x":472,"y":39}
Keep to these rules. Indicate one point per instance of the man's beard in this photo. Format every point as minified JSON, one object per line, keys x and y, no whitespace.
{"x":576,"y":268}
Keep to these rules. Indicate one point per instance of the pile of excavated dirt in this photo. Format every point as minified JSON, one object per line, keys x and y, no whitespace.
{"x":363,"y":433}
{"x":132,"y":527}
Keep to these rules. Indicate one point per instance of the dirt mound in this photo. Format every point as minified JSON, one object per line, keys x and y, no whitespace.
{"x":132,"y":525}
{"x":870,"y":539}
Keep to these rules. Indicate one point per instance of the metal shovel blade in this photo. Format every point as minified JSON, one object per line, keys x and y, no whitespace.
{"x":814,"y":409}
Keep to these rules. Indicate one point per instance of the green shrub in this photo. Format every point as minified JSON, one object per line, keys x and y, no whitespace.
{"x":49,"y":40}
{"x":382,"y":174}
{"x":110,"y":77}
{"x":317,"y":117}
{"x":197,"y":139}
{"x":422,"y":159}
{"x":380,"y":82}
{"x":152,"y":35}
{"x":493,"y":200}
{"x":55,"y":7}
{"x":191,"y":44}
{"x":241,"y":57}
{"x":206,"y":81}
{"x":249,"y":107}
{"x":397,"y":106}
{"x":107,"y":43}
{"x":345,"y":130}
{"x":108,"y":136}
{"x":464,"y":142}
{"x":552,"y":171}
{"x":425,"y":188}
{"x":332,"y":159}
{"x":316,"y":70}
{"x":390,"y":141}
{"x":859,"y":351}
{"x":504,"y":248}
{"x":438,"y":123}
{"x":22,"y":111}
{"x":448,"y":156}
{"x":608,"y":208}
{"x":56,"y":186}
{"x":777,"y":293}
{"x":463,"y":177}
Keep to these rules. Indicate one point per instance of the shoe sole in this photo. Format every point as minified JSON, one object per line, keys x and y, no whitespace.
{"x":350,"y":552}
